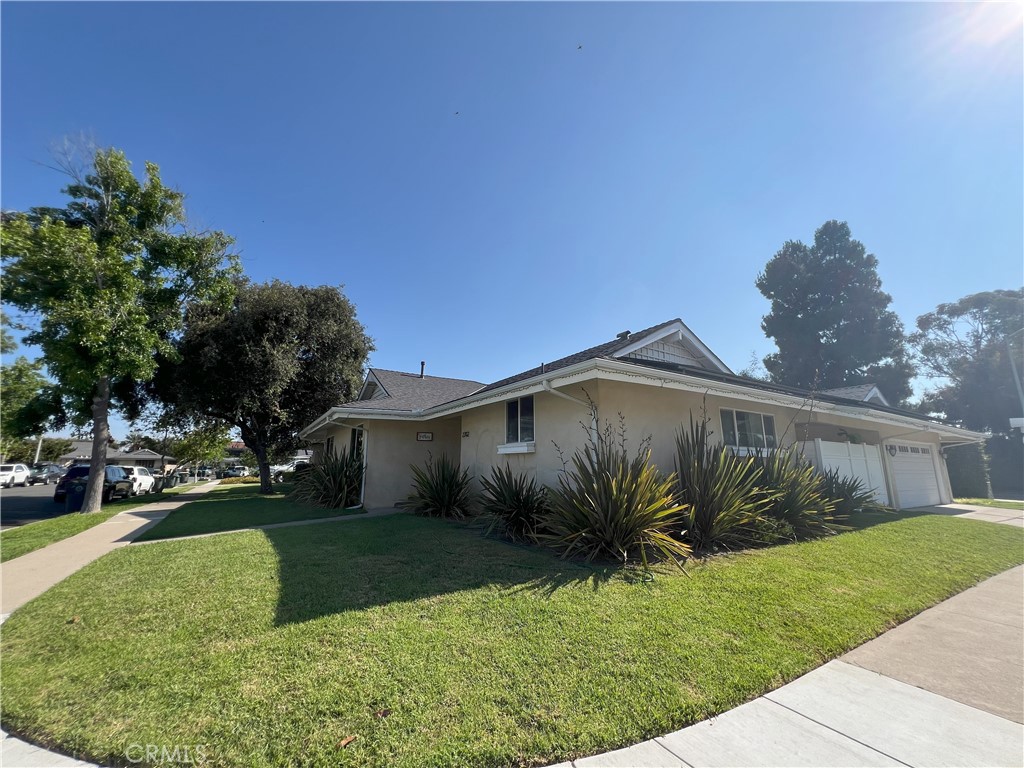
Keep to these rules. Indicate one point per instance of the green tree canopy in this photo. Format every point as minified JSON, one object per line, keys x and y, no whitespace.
{"x":968,"y":347}
{"x":830,"y":318}
{"x":108,"y":278}
{"x":280,"y":357}
{"x":21,"y":383}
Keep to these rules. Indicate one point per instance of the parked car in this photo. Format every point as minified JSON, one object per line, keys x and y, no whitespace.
{"x":237,"y":472}
{"x":295,"y":468}
{"x":13,"y":474}
{"x":116,"y":484}
{"x":45,"y":473}
{"x":142,"y":479}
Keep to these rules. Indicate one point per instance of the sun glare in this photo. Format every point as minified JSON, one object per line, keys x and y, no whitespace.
{"x":990,"y":23}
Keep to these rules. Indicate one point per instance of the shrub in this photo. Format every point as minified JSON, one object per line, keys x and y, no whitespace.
{"x":968,"y":470}
{"x":333,"y":482}
{"x":239,"y":480}
{"x":767,"y":531}
{"x":515,"y":503}
{"x":719,"y":491}
{"x":849,"y":495}
{"x":440,"y":489}
{"x":797,"y":493}
{"x":609,"y":505}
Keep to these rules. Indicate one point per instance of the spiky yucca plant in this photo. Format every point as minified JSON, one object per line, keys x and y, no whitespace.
{"x":440,"y":489}
{"x":514,"y":502}
{"x":610,"y":505}
{"x":849,"y":494}
{"x":333,"y":481}
{"x":719,"y":489}
{"x":798,"y":494}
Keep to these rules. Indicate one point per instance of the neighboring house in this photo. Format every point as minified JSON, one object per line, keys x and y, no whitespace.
{"x":81,"y":452}
{"x":658,"y":379}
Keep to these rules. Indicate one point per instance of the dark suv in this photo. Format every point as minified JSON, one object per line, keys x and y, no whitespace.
{"x":116,"y":484}
{"x":45,"y":474}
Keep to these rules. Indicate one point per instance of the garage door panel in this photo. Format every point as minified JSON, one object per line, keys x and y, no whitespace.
{"x":914,"y":475}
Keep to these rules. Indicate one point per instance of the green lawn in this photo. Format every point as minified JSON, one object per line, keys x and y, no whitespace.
{"x":237,"y":506}
{"x":1017,"y":505}
{"x":19,"y":541}
{"x":435,"y":646}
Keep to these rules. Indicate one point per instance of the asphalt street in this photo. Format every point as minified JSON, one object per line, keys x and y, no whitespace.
{"x":26,"y":505}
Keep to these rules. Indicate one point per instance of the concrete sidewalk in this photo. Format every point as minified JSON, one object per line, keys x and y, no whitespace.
{"x":1002,"y":515}
{"x":28,"y":576}
{"x":946,"y":688}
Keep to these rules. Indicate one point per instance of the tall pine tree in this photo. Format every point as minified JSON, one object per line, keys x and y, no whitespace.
{"x":830,"y":318}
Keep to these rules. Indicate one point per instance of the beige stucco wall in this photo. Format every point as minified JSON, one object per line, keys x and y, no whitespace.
{"x":474,"y":435}
{"x":391,"y":447}
{"x":556,"y":421}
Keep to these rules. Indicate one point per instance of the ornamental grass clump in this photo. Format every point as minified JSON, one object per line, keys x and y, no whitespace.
{"x":610,"y":506}
{"x":850,"y":495}
{"x":514,"y":502}
{"x":720,"y":491}
{"x":796,"y":492}
{"x":333,"y":482}
{"x":440,"y":489}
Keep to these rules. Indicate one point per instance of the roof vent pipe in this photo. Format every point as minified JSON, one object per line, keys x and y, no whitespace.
{"x":423,"y":367}
{"x":623,"y":335}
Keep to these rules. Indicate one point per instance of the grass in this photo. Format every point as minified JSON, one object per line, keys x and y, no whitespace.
{"x":435,"y":646}
{"x":237,"y":506}
{"x":19,"y":541}
{"x":1001,"y":504}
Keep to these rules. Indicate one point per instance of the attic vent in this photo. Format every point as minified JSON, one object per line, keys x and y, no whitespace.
{"x":623,"y":335}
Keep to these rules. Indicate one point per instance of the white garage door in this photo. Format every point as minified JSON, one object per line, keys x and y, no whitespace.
{"x":914,"y":474}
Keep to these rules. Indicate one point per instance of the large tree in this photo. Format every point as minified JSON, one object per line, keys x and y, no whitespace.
{"x":280,"y":357}
{"x":969,"y":347}
{"x":830,"y":318}
{"x":107,"y":280}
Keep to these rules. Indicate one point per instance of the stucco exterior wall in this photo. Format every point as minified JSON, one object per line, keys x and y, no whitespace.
{"x":391,"y":447}
{"x":556,"y":420}
{"x":473,"y":437}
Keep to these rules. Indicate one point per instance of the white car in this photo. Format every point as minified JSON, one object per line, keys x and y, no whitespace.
{"x":141,"y":479}
{"x":13,"y":474}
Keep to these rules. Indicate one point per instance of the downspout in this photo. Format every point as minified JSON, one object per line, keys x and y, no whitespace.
{"x":589,"y":405}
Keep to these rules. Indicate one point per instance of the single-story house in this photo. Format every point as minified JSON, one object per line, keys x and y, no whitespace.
{"x":657,"y":379}
{"x":81,"y":451}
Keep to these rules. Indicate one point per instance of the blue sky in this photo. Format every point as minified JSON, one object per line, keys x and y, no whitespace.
{"x":493,"y":196}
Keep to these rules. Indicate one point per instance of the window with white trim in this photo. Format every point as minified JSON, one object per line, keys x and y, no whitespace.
{"x":519,"y":420}
{"x":746,"y":429}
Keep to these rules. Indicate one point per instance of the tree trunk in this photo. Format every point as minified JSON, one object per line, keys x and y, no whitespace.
{"x":100,"y":438}
{"x":261,"y":459}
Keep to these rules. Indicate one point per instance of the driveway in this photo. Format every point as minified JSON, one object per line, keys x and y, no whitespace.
{"x":26,"y":505}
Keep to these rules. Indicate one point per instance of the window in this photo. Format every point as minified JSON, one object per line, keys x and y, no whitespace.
{"x":519,"y":420}
{"x":329,"y":447}
{"x":743,"y":429}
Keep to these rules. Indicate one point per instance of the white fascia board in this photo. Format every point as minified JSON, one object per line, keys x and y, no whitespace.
{"x":678,"y":327}
{"x":875,"y":391}
{"x":615,"y":370}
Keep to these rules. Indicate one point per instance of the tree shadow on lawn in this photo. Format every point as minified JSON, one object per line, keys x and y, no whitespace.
{"x":859,"y":521}
{"x":354,"y":565}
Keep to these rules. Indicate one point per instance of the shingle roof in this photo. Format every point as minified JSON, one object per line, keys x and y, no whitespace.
{"x":601,"y":350}
{"x":856,"y":392}
{"x":410,"y":392}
